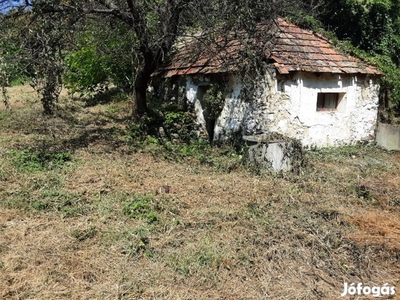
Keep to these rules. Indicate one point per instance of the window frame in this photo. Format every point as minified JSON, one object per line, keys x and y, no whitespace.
{"x":322,"y":97}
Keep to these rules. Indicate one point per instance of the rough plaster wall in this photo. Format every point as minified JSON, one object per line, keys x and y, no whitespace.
{"x":231,"y":119}
{"x":366,"y":120}
{"x":247,"y":116}
{"x":256,"y":119}
{"x":192,"y":88}
{"x":354,"y":120}
{"x":287,"y":105}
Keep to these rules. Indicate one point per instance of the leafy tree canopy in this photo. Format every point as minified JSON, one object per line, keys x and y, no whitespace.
{"x":373,"y":29}
{"x":102,"y":55}
{"x":98,"y":27}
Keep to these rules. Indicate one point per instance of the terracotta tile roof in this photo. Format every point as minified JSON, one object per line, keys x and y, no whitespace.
{"x":296,"y":49}
{"x":198,"y":58}
{"x":292,"y":49}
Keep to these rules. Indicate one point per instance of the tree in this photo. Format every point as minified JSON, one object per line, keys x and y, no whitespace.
{"x":374,"y":27}
{"x":41,"y":43}
{"x":10,"y":66}
{"x":101,"y":55}
{"x":156,"y":24}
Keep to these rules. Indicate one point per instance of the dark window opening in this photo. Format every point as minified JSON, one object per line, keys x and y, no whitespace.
{"x":210,"y":121}
{"x":327,"y":101}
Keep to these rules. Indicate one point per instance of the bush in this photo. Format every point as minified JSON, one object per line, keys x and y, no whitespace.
{"x":180,"y":124}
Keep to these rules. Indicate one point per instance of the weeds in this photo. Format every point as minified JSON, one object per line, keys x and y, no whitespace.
{"x":197,"y":261}
{"x":142,"y":207}
{"x":173,"y":135}
{"x":30,"y":161}
{"x":69,"y":204}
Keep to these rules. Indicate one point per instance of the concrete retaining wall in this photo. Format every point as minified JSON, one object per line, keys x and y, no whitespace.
{"x":388,"y":136}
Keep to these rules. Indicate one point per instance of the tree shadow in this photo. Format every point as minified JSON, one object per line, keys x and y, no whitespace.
{"x":107,"y":96}
{"x":108,"y":139}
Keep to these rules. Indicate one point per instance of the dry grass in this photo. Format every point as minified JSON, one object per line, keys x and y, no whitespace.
{"x":65,"y":233}
{"x":378,"y":228}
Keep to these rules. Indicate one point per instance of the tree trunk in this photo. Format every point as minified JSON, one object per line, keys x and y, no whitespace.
{"x":139,"y":96}
{"x":142,"y":81}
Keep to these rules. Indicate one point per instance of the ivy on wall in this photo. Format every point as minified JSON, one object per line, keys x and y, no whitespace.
{"x":214,"y":99}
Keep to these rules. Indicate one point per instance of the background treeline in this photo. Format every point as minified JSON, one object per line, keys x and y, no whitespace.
{"x":369,"y":29}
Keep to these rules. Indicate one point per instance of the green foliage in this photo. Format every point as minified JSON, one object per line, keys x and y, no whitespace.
{"x":214,"y":100}
{"x":181,"y":124}
{"x":30,"y":161}
{"x":180,"y":140}
{"x":10,"y":68}
{"x":145,"y":129}
{"x":103,"y":55}
{"x":135,"y":131}
{"x":390,"y":83}
{"x":33,"y":45}
{"x":373,"y":29}
{"x":86,"y":71}
{"x":174,"y":117}
{"x":142,"y":207}
{"x":175,"y":125}
{"x":42,"y":53}
{"x":309,"y":21}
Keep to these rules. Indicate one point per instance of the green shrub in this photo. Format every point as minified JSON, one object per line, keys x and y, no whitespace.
{"x":214,"y":99}
{"x":137,"y":132}
{"x":181,"y":124}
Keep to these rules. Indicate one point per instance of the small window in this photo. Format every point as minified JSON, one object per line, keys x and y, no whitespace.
{"x":327,"y":101}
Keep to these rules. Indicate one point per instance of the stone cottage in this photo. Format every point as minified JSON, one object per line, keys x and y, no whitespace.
{"x":310,"y":91}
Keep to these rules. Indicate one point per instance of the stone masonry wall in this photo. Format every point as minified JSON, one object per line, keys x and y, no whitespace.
{"x":287,"y":105}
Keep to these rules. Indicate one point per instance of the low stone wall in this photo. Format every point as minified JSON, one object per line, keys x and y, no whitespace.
{"x":388,"y":136}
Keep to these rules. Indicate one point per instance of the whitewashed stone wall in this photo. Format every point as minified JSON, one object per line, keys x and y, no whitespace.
{"x":287,"y":105}
{"x":354,"y":120}
{"x":233,"y":112}
{"x":192,"y":87}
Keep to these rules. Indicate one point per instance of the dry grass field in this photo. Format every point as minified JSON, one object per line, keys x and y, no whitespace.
{"x":84,"y":214}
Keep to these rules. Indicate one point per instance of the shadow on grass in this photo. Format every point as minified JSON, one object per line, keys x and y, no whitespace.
{"x":109,"y":95}
{"x":68,"y":134}
{"x":110,"y":138}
